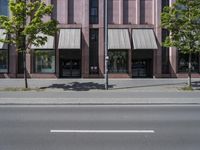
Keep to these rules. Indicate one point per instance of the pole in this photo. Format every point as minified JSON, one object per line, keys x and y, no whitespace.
{"x":106,"y":41}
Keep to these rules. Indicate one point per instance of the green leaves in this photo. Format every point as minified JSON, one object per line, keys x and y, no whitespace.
{"x":26,"y":22}
{"x":182,"y":19}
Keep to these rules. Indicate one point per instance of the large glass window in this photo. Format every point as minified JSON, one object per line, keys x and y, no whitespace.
{"x":165,"y":53}
{"x":3,"y":61}
{"x":183,"y":63}
{"x":94,"y":15}
{"x":165,"y":3}
{"x":4,"y":7}
{"x":44,"y":61}
{"x":94,"y":50}
{"x":118,"y":61}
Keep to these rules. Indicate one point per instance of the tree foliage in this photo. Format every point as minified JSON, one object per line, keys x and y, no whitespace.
{"x":26,"y":22}
{"x":182,"y":19}
{"x":26,"y":26}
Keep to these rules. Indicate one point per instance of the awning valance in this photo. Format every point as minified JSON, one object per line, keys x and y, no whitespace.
{"x":3,"y":37}
{"x":118,"y":39}
{"x":50,"y":44}
{"x":69,"y":39}
{"x":144,"y":39}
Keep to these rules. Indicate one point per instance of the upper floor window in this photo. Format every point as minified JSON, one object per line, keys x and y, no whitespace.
{"x":4,"y":7}
{"x":94,"y":8}
{"x":165,"y":3}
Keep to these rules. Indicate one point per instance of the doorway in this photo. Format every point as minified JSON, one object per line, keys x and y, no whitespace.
{"x":142,"y":64}
{"x":70,"y":63}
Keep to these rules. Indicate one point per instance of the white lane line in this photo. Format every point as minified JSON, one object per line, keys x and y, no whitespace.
{"x":102,"y":131}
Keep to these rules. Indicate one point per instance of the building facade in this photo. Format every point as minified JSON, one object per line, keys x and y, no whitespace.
{"x":77,"y":51}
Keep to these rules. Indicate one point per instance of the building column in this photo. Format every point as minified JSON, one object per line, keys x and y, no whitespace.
{"x":62,"y":11}
{"x":47,"y":2}
{"x":137,"y":11}
{"x":121,"y":11}
{"x":85,"y":39}
{"x":130,"y":63}
{"x":101,"y":38}
{"x":13,"y":62}
{"x":158,"y":31}
{"x":173,"y":56}
{"x":130,"y":55}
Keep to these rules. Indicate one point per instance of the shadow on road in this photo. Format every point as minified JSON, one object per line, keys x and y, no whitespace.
{"x":77,"y":86}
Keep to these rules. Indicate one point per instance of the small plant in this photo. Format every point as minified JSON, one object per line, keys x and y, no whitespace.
{"x":17,"y":89}
{"x":187,"y":88}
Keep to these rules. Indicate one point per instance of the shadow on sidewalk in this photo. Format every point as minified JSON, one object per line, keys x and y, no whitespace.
{"x":149,"y":85}
{"x":196,"y":85}
{"x":77,"y":86}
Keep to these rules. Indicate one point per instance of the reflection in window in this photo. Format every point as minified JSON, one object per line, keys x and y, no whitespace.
{"x":94,"y":44}
{"x":4,"y":7}
{"x":165,"y":53}
{"x":3,"y":61}
{"x":94,"y":17}
{"x":183,"y":63}
{"x":44,"y":61}
{"x":118,"y":61}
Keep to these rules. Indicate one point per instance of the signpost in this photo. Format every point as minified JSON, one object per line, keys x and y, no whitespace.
{"x":106,"y":42}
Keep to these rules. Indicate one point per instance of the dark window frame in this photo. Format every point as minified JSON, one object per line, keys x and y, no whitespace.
{"x":126,"y":59}
{"x":165,"y":54}
{"x":7,"y":60}
{"x":94,"y":52}
{"x":185,"y":57}
{"x":94,"y":19}
{"x":34,"y":61}
{"x":7,"y":9}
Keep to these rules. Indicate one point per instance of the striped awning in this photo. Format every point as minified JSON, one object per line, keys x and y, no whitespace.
{"x":3,"y":37}
{"x":118,"y":39}
{"x":50,"y":44}
{"x":69,"y":39}
{"x":144,"y":39}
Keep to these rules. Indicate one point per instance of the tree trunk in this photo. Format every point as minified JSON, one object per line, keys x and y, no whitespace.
{"x":25,"y":70}
{"x":190,"y":70}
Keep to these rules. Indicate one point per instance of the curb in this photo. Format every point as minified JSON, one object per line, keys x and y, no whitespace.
{"x":98,"y":101}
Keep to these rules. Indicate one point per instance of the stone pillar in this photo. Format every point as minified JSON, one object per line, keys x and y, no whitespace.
{"x":173,"y":56}
{"x":121,"y":11}
{"x":13,"y":61}
{"x":101,"y":38}
{"x":137,"y":11}
{"x":62,"y":11}
{"x":85,"y":39}
{"x":47,"y":2}
{"x":158,"y":31}
{"x":28,"y":64}
{"x":130,"y":63}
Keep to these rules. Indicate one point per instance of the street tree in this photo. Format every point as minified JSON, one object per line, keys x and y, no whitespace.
{"x":182,"y":20}
{"x":26,"y":26}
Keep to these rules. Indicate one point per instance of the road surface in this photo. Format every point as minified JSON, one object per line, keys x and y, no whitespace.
{"x":139,"y":127}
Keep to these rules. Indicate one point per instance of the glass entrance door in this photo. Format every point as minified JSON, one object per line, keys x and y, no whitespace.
{"x":142,"y":68}
{"x":70,"y":68}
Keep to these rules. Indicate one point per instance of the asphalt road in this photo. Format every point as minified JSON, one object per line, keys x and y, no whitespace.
{"x":100,"y":127}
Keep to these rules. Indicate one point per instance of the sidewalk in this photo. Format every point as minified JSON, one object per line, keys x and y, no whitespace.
{"x":91,"y":92}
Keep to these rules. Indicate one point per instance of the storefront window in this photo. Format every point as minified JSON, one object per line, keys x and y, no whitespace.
{"x":44,"y":61}
{"x":94,"y":57}
{"x":4,"y":7}
{"x":165,"y":53}
{"x":3,"y":61}
{"x":118,"y":61}
{"x":183,"y":63}
{"x":94,"y":17}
